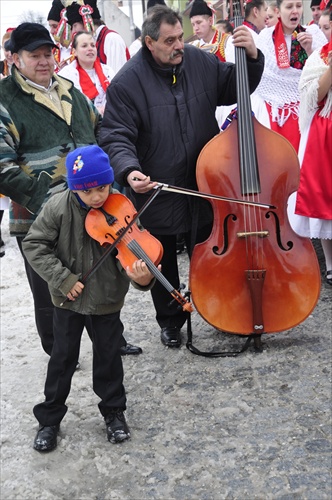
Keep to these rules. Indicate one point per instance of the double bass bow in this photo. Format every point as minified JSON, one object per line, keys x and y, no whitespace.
{"x":253,"y":274}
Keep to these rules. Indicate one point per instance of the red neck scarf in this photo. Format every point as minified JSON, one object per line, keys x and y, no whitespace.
{"x":87,"y":85}
{"x":324,"y":52}
{"x":298,"y":55}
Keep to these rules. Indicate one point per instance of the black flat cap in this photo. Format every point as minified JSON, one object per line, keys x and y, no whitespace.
{"x":29,"y":36}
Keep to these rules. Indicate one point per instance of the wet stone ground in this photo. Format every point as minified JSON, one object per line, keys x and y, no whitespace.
{"x":257,"y":426}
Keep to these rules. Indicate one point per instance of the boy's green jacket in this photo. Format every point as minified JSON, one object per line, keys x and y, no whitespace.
{"x":60,"y":250}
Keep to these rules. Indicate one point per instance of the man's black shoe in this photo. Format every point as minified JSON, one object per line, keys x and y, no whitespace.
{"x":170,"y":336}
{"x":116,"y":427}
{"x":46,"y":438}
{"x":180,"y":244}
{"x":127,"y":349}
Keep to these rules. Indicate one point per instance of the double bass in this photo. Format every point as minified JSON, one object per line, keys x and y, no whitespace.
{"x":254,"y":274}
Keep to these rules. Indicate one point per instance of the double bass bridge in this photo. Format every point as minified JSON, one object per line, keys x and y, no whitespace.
{"x":247,"y":234}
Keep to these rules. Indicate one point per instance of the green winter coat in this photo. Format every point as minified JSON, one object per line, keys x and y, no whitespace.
{"x":35,"y":140}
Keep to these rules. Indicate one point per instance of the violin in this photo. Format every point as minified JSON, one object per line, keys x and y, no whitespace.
{"x":253,"y":274}
{"x":112,"y":225}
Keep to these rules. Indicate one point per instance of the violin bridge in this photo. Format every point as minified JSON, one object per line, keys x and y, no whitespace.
{"x":260,"y":234}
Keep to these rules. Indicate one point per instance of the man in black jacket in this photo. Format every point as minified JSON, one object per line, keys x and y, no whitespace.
{"x":160,"y":113}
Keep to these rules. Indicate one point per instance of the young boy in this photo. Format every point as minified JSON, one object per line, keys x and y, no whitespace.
{"x":60,"y":250}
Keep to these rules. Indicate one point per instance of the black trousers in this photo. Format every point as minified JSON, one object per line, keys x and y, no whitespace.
{"x":106,"y":332}
{"x":169,"y":315}
{"x":43,"y":305}
{"x":168,"y":312}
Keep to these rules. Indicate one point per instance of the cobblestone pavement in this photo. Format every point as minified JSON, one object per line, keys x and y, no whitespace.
{"x":257,"y":426}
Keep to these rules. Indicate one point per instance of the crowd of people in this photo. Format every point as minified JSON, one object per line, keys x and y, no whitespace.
{"x":83,"y":117}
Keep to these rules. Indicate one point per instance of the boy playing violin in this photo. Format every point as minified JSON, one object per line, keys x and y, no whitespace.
{"x":60,"y":250}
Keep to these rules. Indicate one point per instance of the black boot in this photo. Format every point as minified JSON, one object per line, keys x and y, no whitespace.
{"x":116,"y":427}
{"x":46,"y":438}
{"x":180,"y":244}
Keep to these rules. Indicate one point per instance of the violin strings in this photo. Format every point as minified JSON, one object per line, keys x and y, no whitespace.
{"x":139,"y":252}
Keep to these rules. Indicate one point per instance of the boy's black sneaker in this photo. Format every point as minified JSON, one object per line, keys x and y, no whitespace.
{"x":116,"y":427}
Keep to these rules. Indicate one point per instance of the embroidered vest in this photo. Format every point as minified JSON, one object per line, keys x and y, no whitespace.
{"x":100,"y":43}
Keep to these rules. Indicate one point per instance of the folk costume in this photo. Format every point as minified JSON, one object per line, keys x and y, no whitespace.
{"x":314,"y":3}
{"x":216,"y":46}
{"x":225,"y":114}
{"x":62,"y":52}
{"x":230,"y":49}
{"x":5,"y":69}
{"x":312,"y":203}
{"x":218,"y":42}
{"x":111,"y":48}
{"x":6,"y":65}
{"x":92,"y":82}
{"x":284,"y":61}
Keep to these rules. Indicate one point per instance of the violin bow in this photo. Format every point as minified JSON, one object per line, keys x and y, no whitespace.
{"x":192,"y":192}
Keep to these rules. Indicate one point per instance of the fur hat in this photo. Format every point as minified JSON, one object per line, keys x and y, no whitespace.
{"x":200,"y":8}
{"x":29,"y":36}
{"x":73,"y":14}
{"x":152,"y":3}
{"x":54,"y":13}
{"x":88,"y":167}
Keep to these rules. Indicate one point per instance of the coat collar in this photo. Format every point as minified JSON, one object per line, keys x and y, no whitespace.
{"x":169,"y":72}
{"x":63,"y":88}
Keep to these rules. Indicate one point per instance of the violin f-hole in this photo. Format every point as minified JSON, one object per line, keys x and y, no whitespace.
{"x":127,"y":221}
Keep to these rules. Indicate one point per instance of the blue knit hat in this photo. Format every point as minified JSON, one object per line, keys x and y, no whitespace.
{"x":88,"y":167}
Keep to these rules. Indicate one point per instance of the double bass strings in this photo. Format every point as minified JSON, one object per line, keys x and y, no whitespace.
{"x":250,"y":182}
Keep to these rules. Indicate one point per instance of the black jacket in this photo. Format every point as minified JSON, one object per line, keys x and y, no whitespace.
{"x":158,"y":120}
